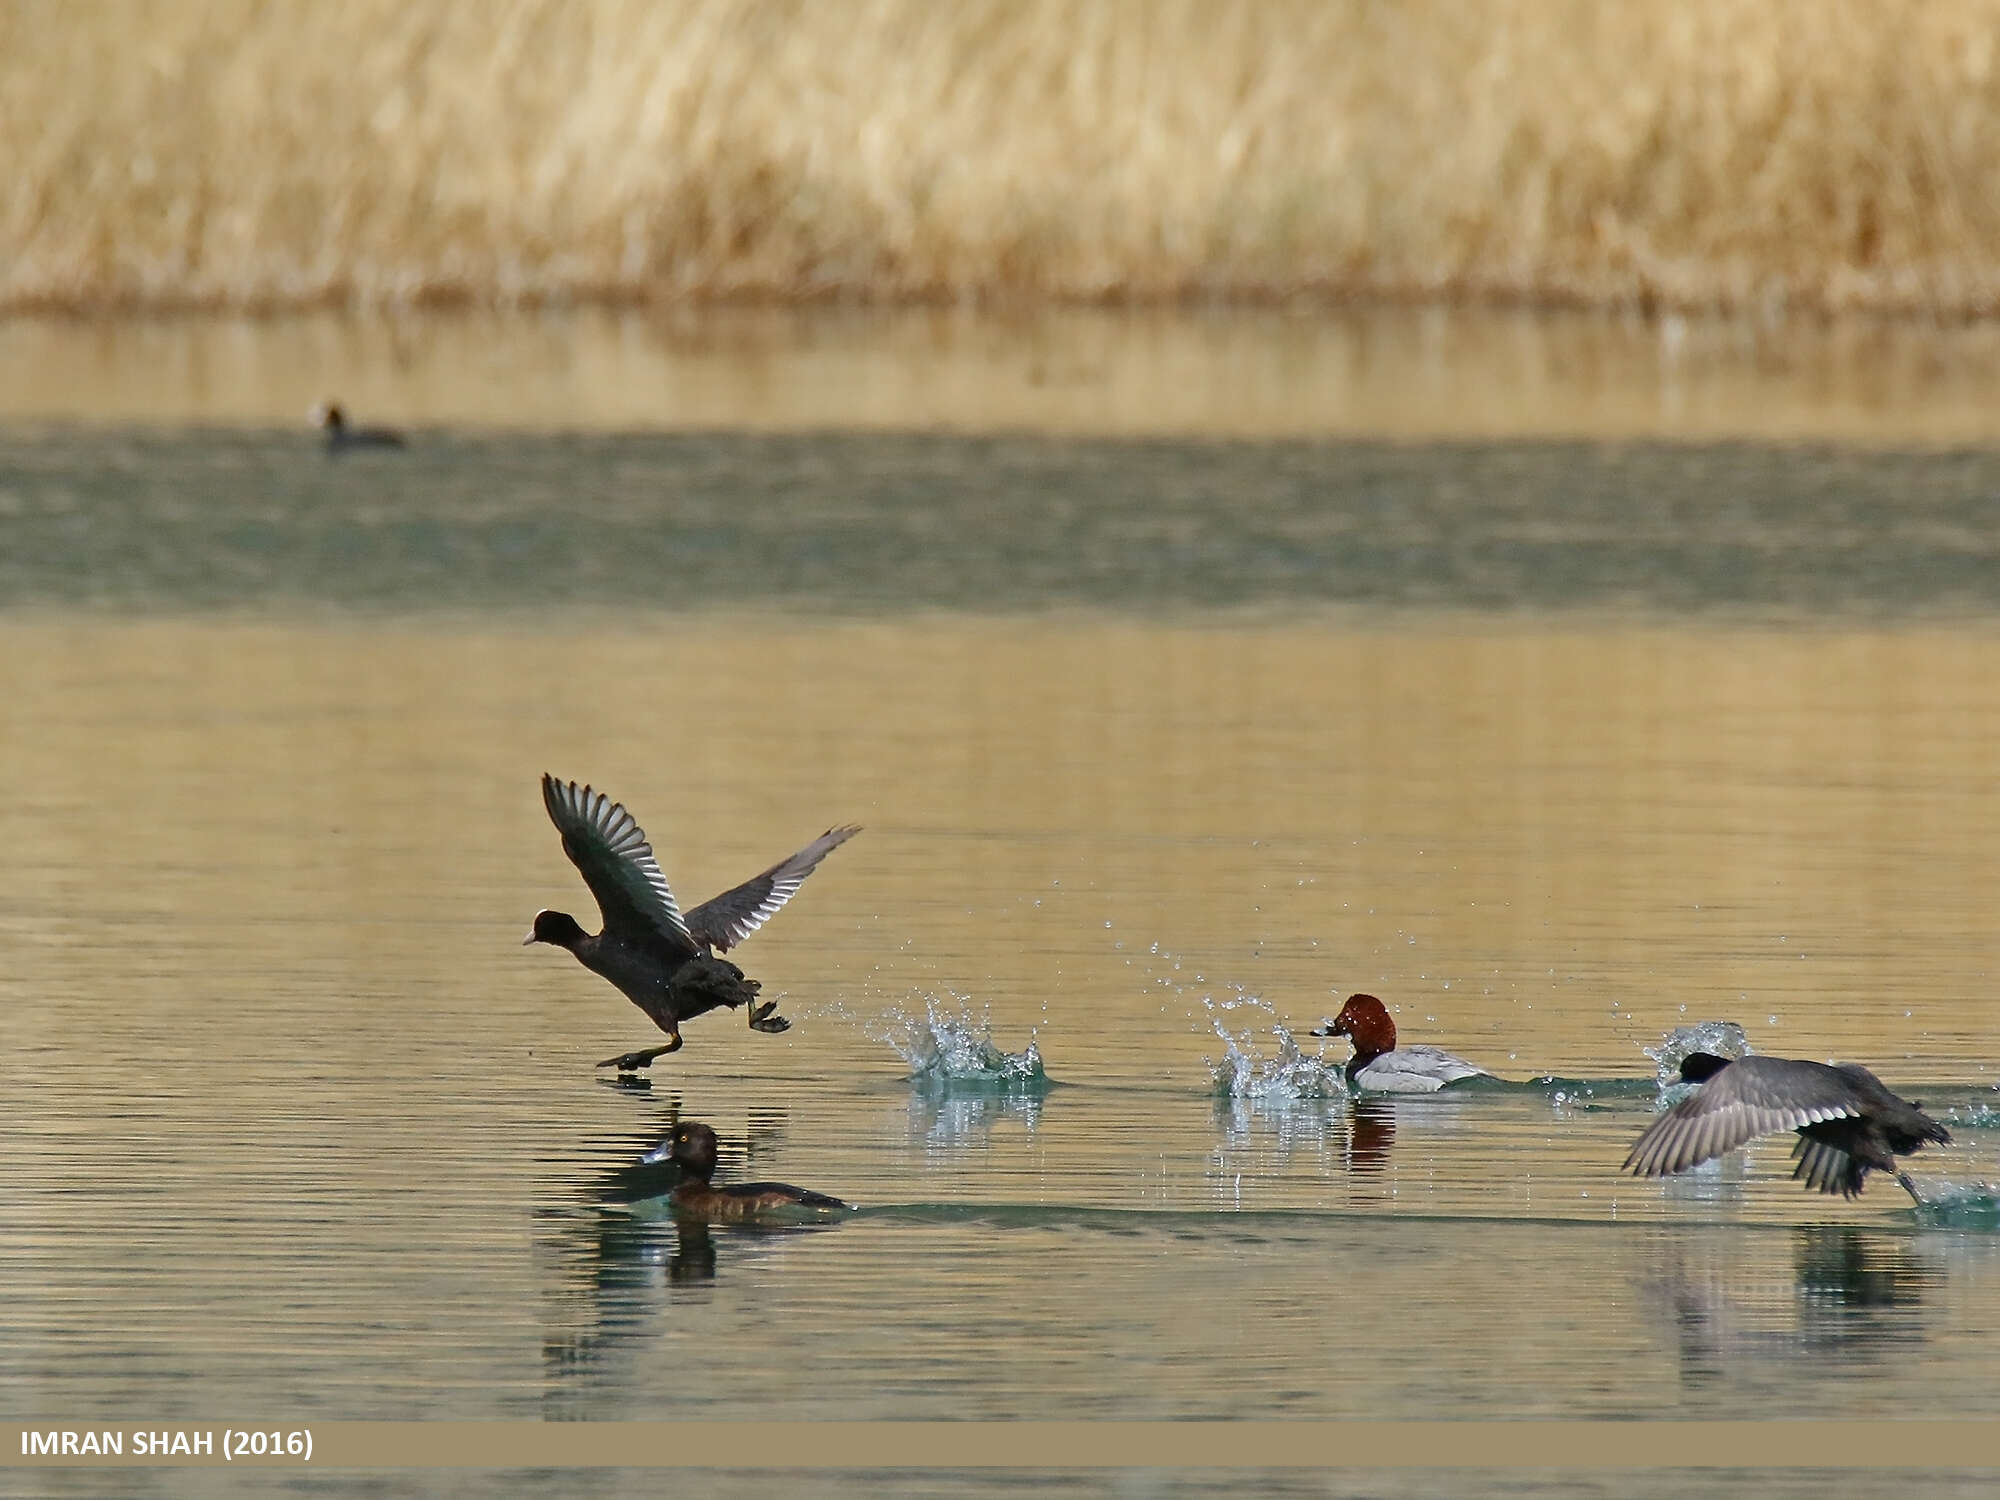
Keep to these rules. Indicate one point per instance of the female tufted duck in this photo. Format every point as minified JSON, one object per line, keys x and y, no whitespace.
{"x":662,"y":961}
{"x":693,"y":1149}
{"x":1379,"y":1064}
{"x":1848,"y":1123}
{"x":330,"y":419}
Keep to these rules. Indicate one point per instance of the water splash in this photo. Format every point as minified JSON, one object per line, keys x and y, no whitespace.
{"x":954,"y":1049}
{"x":1722,"y":1038}
{"x":1972,"y":1117}
{"x":1959,"y":1205}
{"x":1244,"y":1072}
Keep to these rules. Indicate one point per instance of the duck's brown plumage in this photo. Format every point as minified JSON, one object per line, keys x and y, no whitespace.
{"x":1848,"y":1123}
{"x":692,"y":1147}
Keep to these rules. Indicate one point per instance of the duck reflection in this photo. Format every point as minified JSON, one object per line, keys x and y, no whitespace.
{"x":694,"y":1253}
{"x":622,"y":1252}
{"x":1357,"y":1136}
{"x":1371,"y":1135}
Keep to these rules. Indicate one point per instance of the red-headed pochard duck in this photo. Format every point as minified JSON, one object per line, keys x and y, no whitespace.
{"x":1380,"y":1065}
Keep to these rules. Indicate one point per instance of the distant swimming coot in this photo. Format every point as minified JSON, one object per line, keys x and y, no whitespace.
{"x":1848,"y":1123}
{"x":662,"y":961}
{"x":1379,"y":1064}
{"x":692,"y":1147}
{"x":330,"y":419}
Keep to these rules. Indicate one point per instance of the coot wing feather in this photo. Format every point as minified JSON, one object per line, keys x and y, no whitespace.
{"x":609,"y":849}
{"x":1827,"y":1168}
{"x":731,"y":917}
{"x":1752,"y":1097}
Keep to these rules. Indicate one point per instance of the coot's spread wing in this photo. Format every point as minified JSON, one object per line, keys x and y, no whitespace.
{"x":1752,"y":1097}
{"x":734,"y":915}
{"x":1827,"y":1168}
{"x":609,"y":848}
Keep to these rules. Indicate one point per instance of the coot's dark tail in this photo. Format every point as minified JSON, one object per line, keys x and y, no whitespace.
{"x":702,"y":984}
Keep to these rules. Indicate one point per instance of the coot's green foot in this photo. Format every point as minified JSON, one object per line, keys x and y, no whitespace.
{"x":630,"y":1062}
{"x":765,"y":1018}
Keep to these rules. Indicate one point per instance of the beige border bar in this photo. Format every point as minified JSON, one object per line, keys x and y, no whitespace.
{"x":1071,"y":1445}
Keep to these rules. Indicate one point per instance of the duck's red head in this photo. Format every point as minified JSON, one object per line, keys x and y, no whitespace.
{"x":1365,"y":1021}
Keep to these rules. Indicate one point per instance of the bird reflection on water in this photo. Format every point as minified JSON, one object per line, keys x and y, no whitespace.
{"x":622,"y":1258}
{"x":1848,"y":1292}
{"x":1359,"y":1138}
{"x":1371,"y":1134}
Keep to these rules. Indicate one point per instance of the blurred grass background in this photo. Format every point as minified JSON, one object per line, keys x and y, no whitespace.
{"x":1716,"y":154}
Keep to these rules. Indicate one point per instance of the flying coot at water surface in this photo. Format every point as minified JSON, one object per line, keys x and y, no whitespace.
{"x":1848,"y":1123}
{"x":664,"y":963}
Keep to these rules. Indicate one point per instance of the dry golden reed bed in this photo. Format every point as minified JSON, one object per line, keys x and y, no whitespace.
{"x":1824,"y":154}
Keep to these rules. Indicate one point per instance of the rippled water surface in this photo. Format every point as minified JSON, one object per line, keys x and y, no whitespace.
{"x":296,"y":1128}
